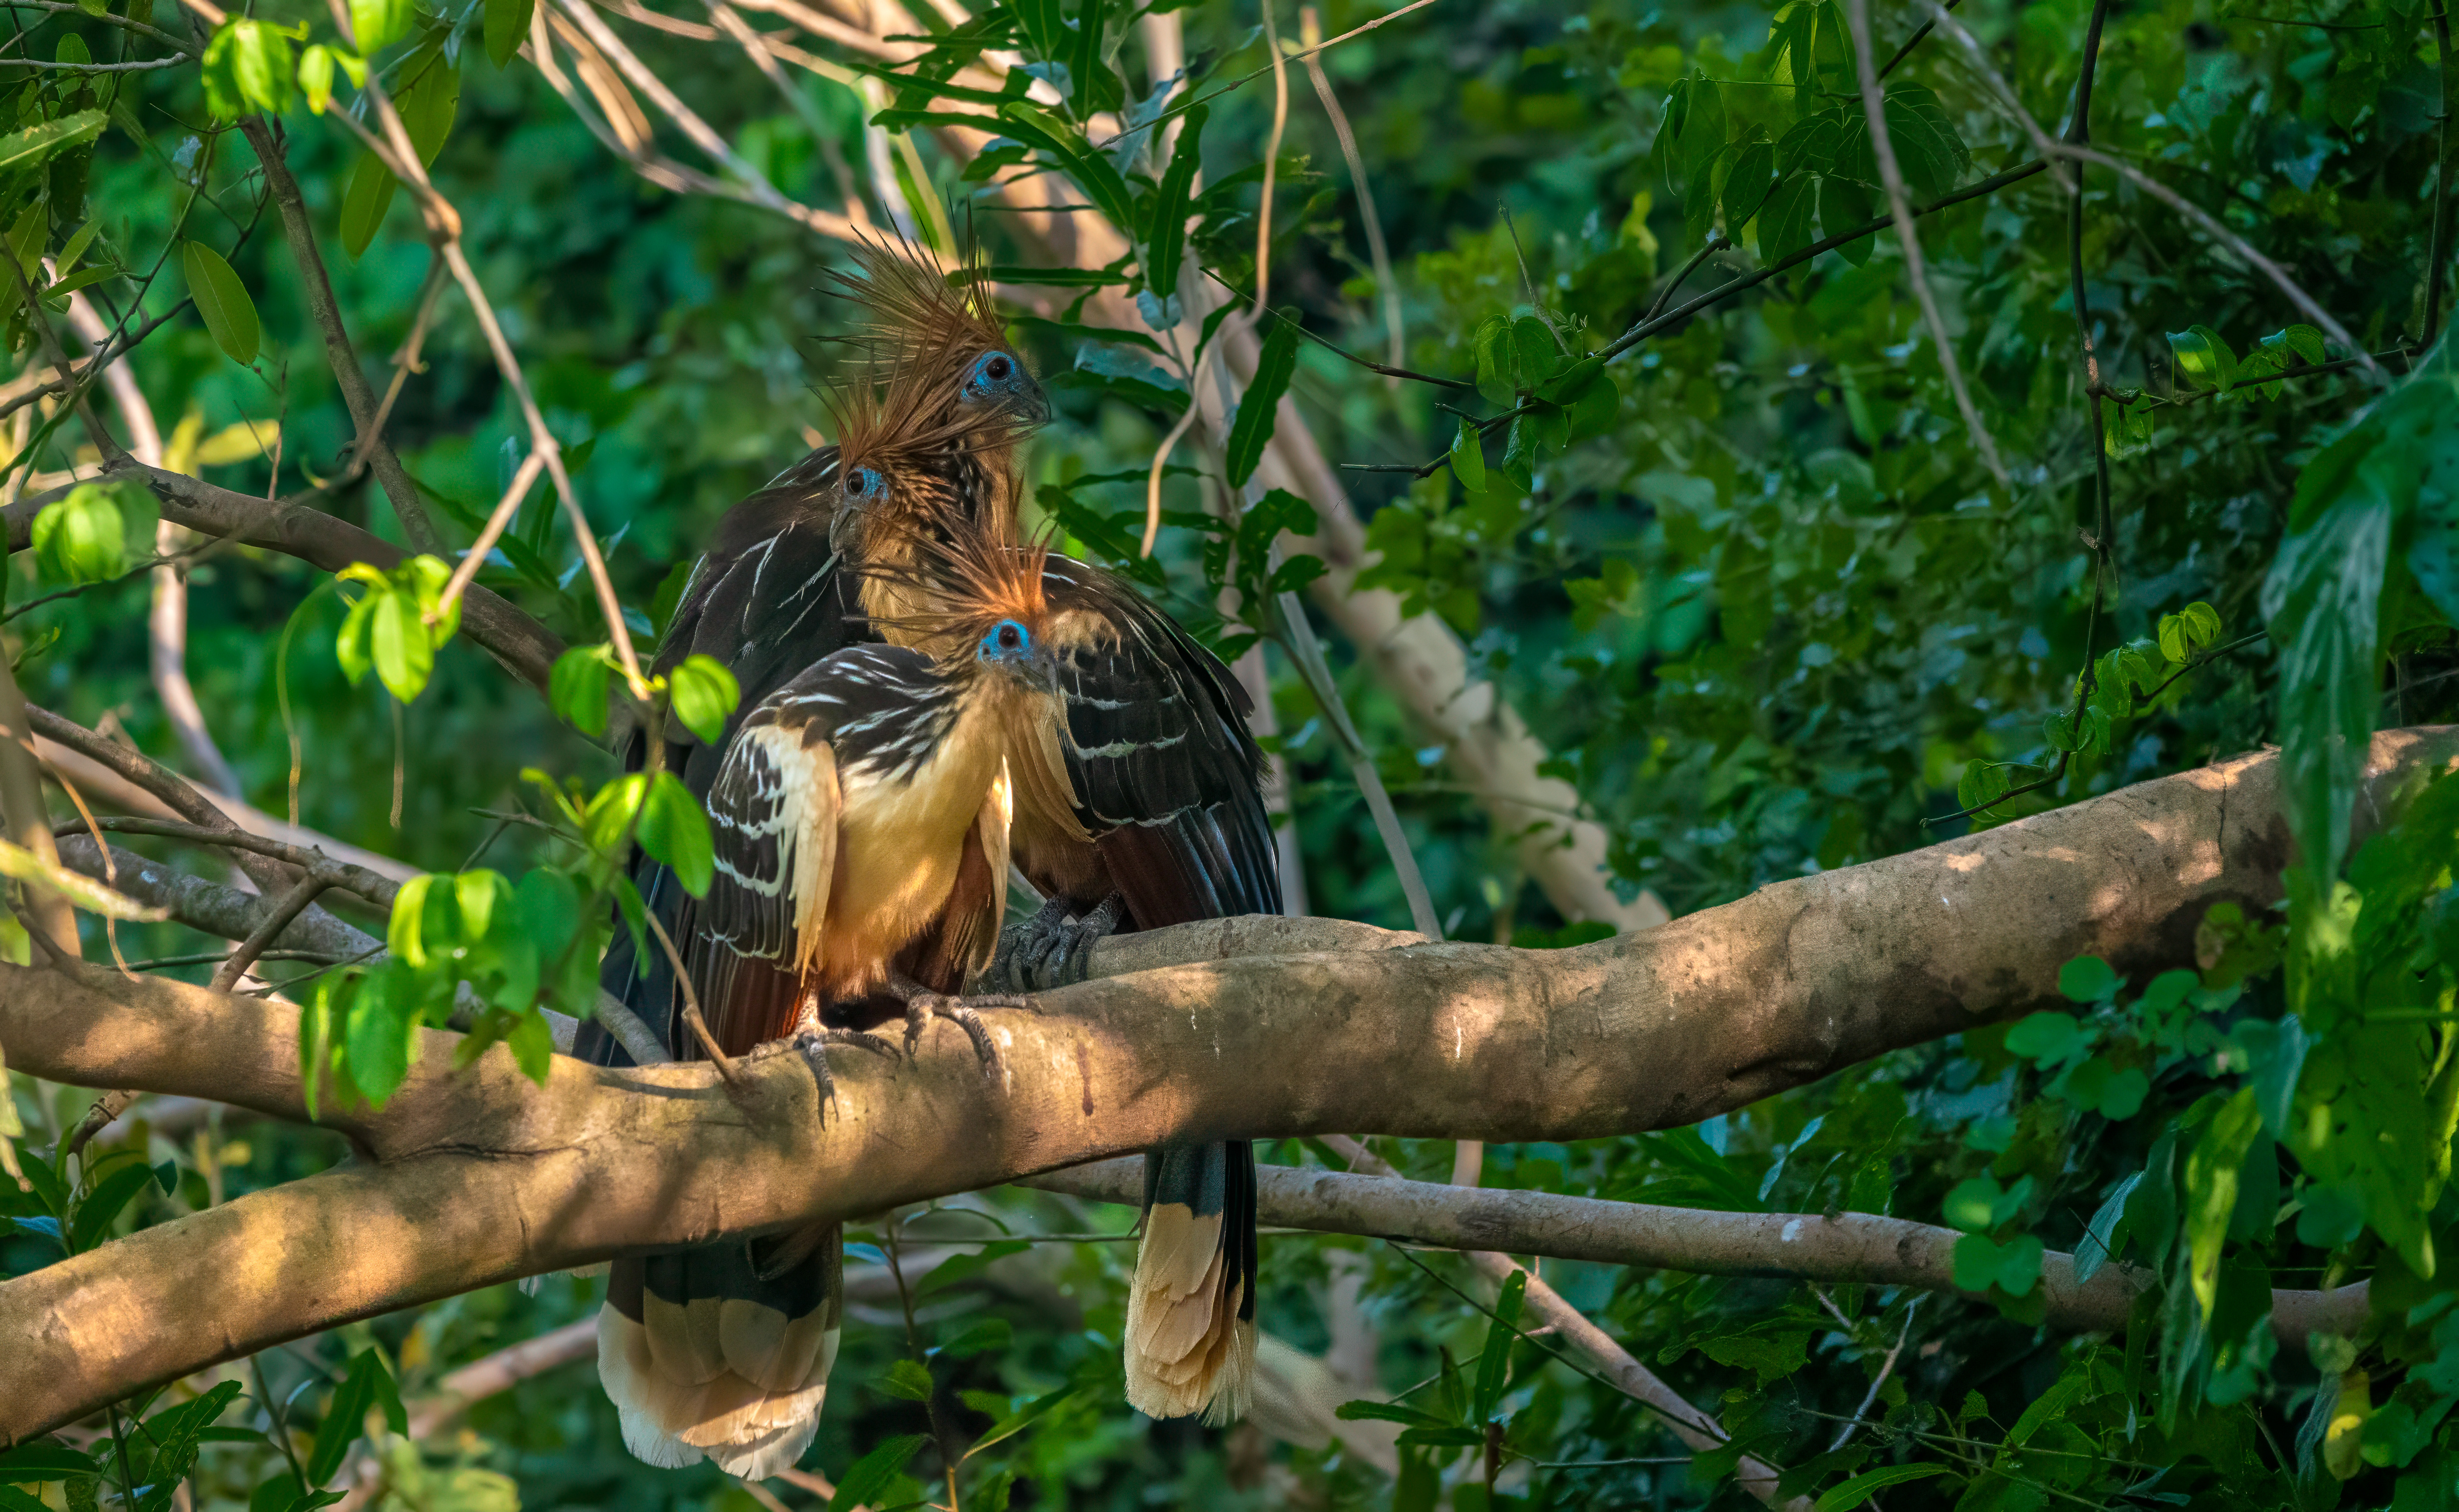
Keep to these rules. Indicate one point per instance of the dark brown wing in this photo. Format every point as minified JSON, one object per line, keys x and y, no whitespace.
{"x":1165,"y":776}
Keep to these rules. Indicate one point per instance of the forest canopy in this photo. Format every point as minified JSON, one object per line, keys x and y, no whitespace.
{"x":1757,"y":466}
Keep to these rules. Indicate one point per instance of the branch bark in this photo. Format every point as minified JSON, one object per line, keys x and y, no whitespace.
{"x":1808,"y":1246}
{"x":479,"y":1177}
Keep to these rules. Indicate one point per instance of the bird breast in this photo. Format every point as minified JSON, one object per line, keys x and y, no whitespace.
{"x":900,"y":841}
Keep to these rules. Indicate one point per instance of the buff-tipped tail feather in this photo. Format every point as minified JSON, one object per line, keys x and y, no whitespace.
{"x":1190,"y":1333}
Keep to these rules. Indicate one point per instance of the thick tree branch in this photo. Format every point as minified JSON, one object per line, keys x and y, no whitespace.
{"x":480,"y":1177}
{"x":1810,"y":1247}
{"x":526,"y":648}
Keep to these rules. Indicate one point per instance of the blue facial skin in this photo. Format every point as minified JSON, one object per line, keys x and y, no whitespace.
{"x":997,"y":378}
{"x":864,"y":484}
{"x":1008,"y":641}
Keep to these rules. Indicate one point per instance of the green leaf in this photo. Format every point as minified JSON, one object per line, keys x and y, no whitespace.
{"x":1166,"y":234}
{"x":399,"y":646}
{"x":705,"y":695}
{"x":36,"y":145}
{"x":1594,"y":412}
{"x":507,"y":28}
{"x":1468,"y":458}
{"x":1366,"y":1411}
{"x":906,"y":1378}
{"x":1492,"y":344}
{"x":1843,"y":206}
{"x":990,"y":1333}
{"x":1747,"y":184}
{"x":2089,"y":979}
{"x":577,"y":688}
{"x":379,"y":24}
{"x":1973,"y":1204}
{"x":1862,"y":1487}
{"x":1015,"y":1422}
{"x":428,"y":99}
{"x":365,"y":202}
{"x":1494,"y":1362}
{"x":2321,"y":600}
{"x":221,"y":301}
{"x":674,"y":830}
{"x":873,"y":1472}
{"x":1785,"y":220}
{"x":174,"y":1434}
{"x":2211,"y":1181}
{"x":2203,"y":357}
{"x":368,"y":1386}
{"x":2101,"y":1239}
{"x":2045,"y":1037}
{"x":101,"y":1206}
{"x":1534,"y":355}
{"x":42,"y":1460}
{"x":247,"y":68}
{"x":1253,"y":428}
{"x":81,"y":538}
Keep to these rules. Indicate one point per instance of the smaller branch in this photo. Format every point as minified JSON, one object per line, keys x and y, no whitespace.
{"x":1271,"y":163}
{"x":1716,"y":243}
{"x":1891,"y":175}
{"x":497,"y":523}
{"x":1309,"y":34}
{"x":1886,"y":1368}
{"x":500,"y":1371}
{"x":100,"y":68}
{"x":277,"y":918}
{"x":1244,"y":79}
{"x":1911,"y":42}
{"x":107,"y":18}
{"x":1161,"y":462}
{"x":708,"y":1045}
{"x":2238,"y":244}
{"x":377,"y":889}
{"x":1387,"y":370}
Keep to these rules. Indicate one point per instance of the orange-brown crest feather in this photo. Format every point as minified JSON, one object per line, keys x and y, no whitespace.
{"x":916,"y":317}
{"x":974,"y":574}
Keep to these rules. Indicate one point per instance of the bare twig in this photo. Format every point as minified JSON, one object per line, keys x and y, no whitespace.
{"x":1161,"y":461}
{"x":371,"y":450}
{"x":1911,"y":42}
{"x":1620,"y":1368}
{"x":1885,"y":1368}
{"x":1874,"y":107}
{"x":708,"y":1045}
{"x":1271,"y":161}
{"x":277,"y":918}
{"x":1716,"y":243}
{"x":497,"y":523}
{"x":376,"y":888}
{"x":1310,"y":35}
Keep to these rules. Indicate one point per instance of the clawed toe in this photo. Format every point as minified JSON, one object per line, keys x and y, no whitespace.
{"x":812,"y":1045}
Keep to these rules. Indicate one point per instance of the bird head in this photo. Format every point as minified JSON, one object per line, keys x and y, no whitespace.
{"x":975,"y":596}
{"x":914,"y":322}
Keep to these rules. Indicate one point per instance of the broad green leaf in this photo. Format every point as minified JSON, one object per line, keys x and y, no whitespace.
{"x":2089,"y":979}
{"x":2045,"y":1037}
{"x":906,"y":1378}
{"x":875,"y":1472}
{"x":1251,"y":430}
{"x":368,"y":1386}
{"x":1492,"y":344}
{"x":221,"y":301}
{"x":1166,"y":234}
{"x":1843,"y":206}
{"x":82,"y":538}
{"x":2303,"y":341}
{"x":1594,"y":412}
{"x":1015,"y":1422}
{"x":99,"y":1208}
{"x":705,"y":695}
{"x":1386,"y":1412}
{"x":2321,"y":600}
{"x":983,"y":1337}
{"x":172,"y":1435}
{"x":2203,"y":357}
{"x":44,"y":1460}
{"x":380,"y":1028}
{"x":1786,"y":220}
{"x":674,"y":830}
{"x":316,"y":77}
{"x":379,"y":24}
{"x":428,"y":99}
{"x":2101,"y":1239}
{"x":398,"y":644}
{"x":578,"y":686}
{"x":247,"y":68}
{"x":1852,"y":1493}
{"x":365,"y":201}
{"x":34,"y":145}
{"x":1534,"y":354}
{"x":1747,"y":184}
{"x":2211,"y":1180}
{"x":507,"y":28}
{"x":1468,"y":458}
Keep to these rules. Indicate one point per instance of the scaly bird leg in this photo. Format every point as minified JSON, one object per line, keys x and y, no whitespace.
{"x":1083,"y":934}
{"x":922,"y":1005}
{"x":1026,"y":944}
{"x":811,"y":1038}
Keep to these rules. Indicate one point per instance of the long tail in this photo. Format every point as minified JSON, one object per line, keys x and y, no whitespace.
{"x":723,"y":1351}
{"x":1191,"y":1310}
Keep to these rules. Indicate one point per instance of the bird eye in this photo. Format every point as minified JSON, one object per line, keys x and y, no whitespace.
{"x":863,"y":483}
{"x":996,"y":367}
{"x":992,"y":371}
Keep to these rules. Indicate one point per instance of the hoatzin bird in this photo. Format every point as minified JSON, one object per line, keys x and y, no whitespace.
{"x":860,"y":819}
{"x":945,"y":394}
{"x":1138,"y":803}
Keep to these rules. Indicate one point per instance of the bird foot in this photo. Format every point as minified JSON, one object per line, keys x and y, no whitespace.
{"x":812,"y":1041}
{"x":922,"y":1005}
{"x":1054,"y":950}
